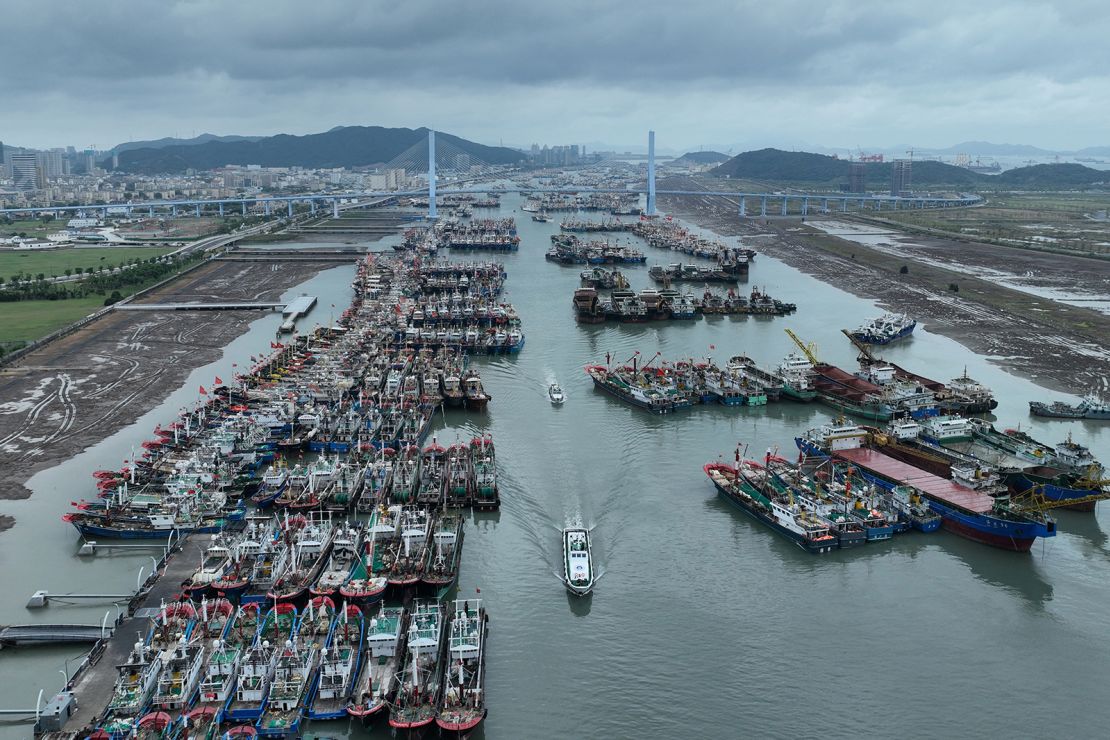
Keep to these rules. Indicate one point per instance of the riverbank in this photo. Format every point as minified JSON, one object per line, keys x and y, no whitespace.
{"x":1059,"y":346}
{"x":78,"y":390}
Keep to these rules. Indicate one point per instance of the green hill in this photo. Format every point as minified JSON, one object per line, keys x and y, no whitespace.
{"x":1064,"y":175}
{"x":350,"y":146}
{"x":704,"y":157}
{"x":779,"y":166}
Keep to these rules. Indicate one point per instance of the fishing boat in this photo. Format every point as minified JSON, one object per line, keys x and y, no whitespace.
{"x":463,"y":700}
{"x":456,"y":484}
{"x":451,"y":389}
{"x":914,"y":509}
{"x":378,"y":679}
{"x":217,"y":561}
{"x":181,"y":671}
{"x":406,"y":557}
{"x":441,"y":569}
{"x":555,"y":394}
{"x":256,"y":671}
{"x":541,"y":217}
{"x":345,"y":549}
{"x":406,"y":476}
{"x":174,"y":621}
{"x":274,"y":482}
{"x":219,"y":675}
{"x":340,"y":662}
{"x":483,"y":471}
{"x":294,"y":671}
{"x":368,"y":580}
{"x":1089,"y":407}
{"x":308,"y":555}
{"x":135,"y":685}
{"x":476,"y":396}
{"x":420,"y":678}
{"x":578,"y":567}
{"x":885,"y":329}
{"x":809,"y":491}
{"x":432,"y":470}
{"x":257,"y":554}
{"x":759,"y":501}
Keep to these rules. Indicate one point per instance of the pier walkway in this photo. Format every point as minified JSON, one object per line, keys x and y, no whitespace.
{"x":95,"y":679}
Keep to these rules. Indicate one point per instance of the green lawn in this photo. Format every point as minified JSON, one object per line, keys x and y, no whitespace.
{"x":57,"y":261}
{"x":28,"y":320}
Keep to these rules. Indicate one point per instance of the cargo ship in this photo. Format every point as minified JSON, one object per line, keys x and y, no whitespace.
{"x":968,"y":513}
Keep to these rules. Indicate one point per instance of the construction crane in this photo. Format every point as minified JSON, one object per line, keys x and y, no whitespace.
{"x":864,"y":350}
{"x":809,"y":350}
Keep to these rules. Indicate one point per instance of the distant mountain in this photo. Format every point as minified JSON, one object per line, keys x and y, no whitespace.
{"x":994,"y":150}
{"x":1045,"y":176}
{"x":170,"y":141}
{"x":348,"y":146}
{"x":704,"y":157}
{"x":1094,"y":151}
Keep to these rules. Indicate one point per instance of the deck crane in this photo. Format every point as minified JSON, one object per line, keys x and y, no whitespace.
{"x":864,"y":350}
{"x":809,"y":350}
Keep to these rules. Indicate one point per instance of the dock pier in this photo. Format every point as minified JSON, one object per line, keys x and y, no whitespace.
{"x":90,"y":687}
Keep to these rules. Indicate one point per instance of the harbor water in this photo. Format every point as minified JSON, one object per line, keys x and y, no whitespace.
{"x":704,"y":623}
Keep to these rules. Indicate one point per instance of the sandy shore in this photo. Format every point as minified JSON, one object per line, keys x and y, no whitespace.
{"x":1059,"y":346}
{"x":79,"y":390}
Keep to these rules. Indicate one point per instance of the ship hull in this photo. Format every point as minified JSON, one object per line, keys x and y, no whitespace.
{"x":797,"y":395}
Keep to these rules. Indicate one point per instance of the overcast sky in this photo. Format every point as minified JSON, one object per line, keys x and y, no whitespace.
{"x":750,"y":74}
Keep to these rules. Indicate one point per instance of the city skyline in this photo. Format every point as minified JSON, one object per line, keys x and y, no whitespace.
{"x":743,"y":76}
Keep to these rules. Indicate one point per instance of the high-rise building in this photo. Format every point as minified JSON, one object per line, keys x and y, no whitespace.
{"x":857,"y":180}
{"x":88,"y":161}
{"x":900,"y":176}
{"x":51,"y":163}
{"x":26,"y":173}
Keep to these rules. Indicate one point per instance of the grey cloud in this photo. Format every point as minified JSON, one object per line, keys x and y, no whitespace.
{"x":285,"y":65}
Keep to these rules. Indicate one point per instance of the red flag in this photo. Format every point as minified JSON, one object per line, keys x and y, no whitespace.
{"x":670,"y":218}
{"x":712,"y":346}
{"x":218,"y":381}
{"x":203,"y":392}
{"x":643,"y":218}
{"x":477,"y":589}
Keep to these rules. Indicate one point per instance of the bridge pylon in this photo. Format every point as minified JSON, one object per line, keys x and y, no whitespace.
{"x":431,"y":175}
